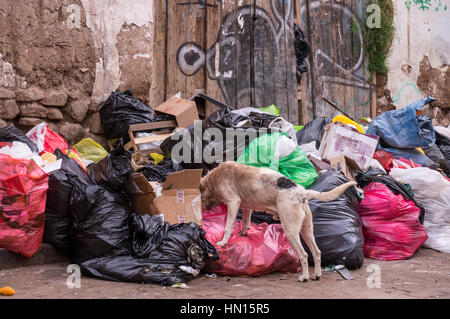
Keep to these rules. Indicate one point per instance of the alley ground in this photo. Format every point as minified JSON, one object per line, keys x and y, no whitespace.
{"x":426,"y":275}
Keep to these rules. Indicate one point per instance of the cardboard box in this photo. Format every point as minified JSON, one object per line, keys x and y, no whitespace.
{"x":178,"y":199}
{"x":345,"y":165}
{"x":318,"y":164}
{"x":340,"y":139}
{"x":185,"y":111}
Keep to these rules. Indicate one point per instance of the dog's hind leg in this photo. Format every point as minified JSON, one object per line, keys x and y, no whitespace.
{"x":308,"y":236}
{"x":292,"y":225}
{"x":246,"y":218}
{"x":233,"y":210}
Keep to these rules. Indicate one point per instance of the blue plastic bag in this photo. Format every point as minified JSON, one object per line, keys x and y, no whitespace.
{"x":403,"y":129}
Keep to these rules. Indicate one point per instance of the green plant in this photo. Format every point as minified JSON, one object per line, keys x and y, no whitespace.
{"x":378,"y":41}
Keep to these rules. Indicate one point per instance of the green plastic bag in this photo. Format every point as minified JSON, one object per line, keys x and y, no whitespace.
{"x":262,"y":152}
{"x":90,"y":150}
{"x":272,"y":110}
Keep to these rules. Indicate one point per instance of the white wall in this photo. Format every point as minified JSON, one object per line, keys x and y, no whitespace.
{"x":419,"y":32}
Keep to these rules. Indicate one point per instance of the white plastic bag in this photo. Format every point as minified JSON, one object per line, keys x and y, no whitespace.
{"x":432,"y":191}
{"x":21,"y":150}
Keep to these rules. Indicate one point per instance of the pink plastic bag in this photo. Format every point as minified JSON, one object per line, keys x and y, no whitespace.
{"x":265,"y":249}
{"x":391,"y":226}
{"x":23,"y":194}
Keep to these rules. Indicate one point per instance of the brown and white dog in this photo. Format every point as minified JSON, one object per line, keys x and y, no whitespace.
{"x":261,"y":189}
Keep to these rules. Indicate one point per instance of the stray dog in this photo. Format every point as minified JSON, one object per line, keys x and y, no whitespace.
{"x":262,"y":189}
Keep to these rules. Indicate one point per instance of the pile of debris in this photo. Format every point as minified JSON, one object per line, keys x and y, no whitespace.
{"x":134,"y":213}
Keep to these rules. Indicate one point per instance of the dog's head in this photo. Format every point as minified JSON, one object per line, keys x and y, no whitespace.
{"x":208,"y":199}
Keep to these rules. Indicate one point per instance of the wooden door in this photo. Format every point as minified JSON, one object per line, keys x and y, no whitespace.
{"x":240,"y":52}
{"x":338,"y":62}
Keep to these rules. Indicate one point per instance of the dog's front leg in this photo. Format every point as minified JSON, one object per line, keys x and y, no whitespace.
{"x":233,"y":209}
{"x":246,"y":218}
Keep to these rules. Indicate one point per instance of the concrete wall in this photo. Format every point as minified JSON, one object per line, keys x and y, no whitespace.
{"x":420,"y":54}
{"x":60,"y":59}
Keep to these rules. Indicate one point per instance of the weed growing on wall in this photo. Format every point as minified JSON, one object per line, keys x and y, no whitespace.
{"x":377,"y":41}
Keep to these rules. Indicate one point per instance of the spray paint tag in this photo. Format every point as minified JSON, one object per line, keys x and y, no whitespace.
{"x":180,"y":196}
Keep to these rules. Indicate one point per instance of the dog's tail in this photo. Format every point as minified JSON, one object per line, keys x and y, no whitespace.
{"x":331,"y":195}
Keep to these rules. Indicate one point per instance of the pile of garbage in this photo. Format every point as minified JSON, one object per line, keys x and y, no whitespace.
{"x":134,"y":213}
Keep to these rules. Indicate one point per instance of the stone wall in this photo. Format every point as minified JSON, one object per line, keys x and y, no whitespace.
{"x":60,"y":60}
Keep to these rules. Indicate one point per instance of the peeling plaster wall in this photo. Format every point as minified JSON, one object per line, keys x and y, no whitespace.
{"x":105,"y":19}
{"x":421,"y":37}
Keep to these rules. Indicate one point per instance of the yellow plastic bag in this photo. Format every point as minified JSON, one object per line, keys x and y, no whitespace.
{"x":344,"y":119}
{"x":90,"y":150}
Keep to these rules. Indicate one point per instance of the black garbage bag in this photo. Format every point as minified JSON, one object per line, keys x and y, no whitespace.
{"x":100,"y":223}
{"x":337,"y":224}
{"x":313,"y":131}
{"x":113,"y":171}
{"x":434,"y":153}
{"x":378,"y":176}
{"x":163,"y":254}
{"x":302,"y":50}
{"x":11,"y":134}
{"x":121,"y":110}
{"x":443,"y":143}
{"x":237,"y":133}
{"x":261,"y":119}
{"x":159,"y":172}
{"x":57,"y":216}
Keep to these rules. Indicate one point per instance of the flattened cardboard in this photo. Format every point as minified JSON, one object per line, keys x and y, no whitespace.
{"x":185,"y":111}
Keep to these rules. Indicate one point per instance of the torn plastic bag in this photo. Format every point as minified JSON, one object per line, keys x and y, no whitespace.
{"x":402,"y":128}
{"x":337,"y":224}
{"x":391,"y":226}
{"x":23,"y":193}
{"x":57,"y":216}
{"x":432,"y":191}
{"x":113,"y":171}
{"x":313,"y":131}
{"x":264,"y":250}
{"x":100,"y":223}
{"x":159,"y":172}
{"x":302,"y":50}
{"x":377,"y":176}
{"x":90,"y":150}
{"x":275,"y":152}
{"x":163,"y":254}
{"x":11,"y":134}
{"x":121,"y":110}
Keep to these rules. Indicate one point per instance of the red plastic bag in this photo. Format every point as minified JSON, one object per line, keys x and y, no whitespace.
{"x":23,"y":194}
{"x":388,"y":161}
{"x":265,"y":249}
{"x":391,"y":226}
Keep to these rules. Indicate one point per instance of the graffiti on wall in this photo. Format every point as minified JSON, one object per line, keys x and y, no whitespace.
{"x":425,"y":5}
{"x":231,"y":60}
{"x":339,"y":61}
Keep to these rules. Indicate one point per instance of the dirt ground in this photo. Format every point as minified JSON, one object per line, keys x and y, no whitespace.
{"x":426,"y":275}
